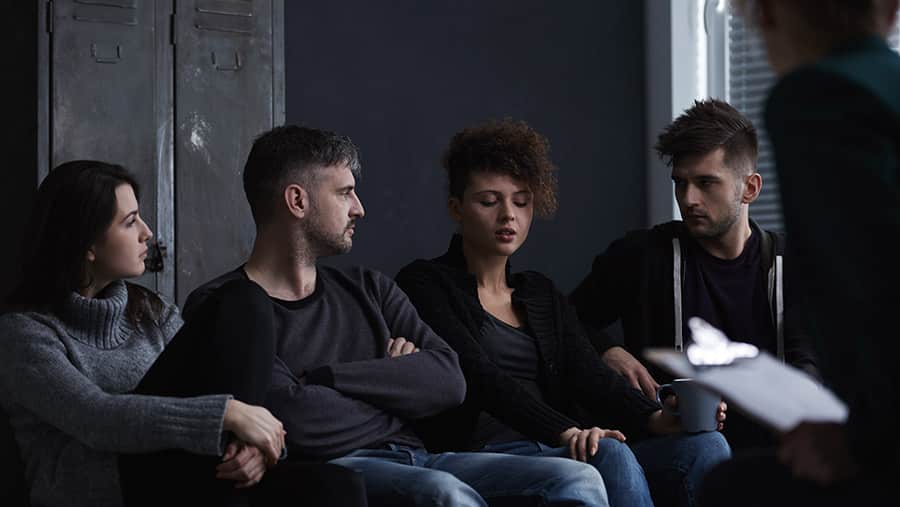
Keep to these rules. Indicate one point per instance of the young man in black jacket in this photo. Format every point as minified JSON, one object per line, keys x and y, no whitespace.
{"x":717,"y":263}
{"x":355,"y":367}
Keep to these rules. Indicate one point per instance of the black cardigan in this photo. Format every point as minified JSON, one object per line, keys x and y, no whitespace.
{"x":578,"y":388}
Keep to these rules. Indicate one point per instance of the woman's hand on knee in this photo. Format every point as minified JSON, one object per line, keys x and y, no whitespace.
{"x":583,"y":444}
{"x":243,"y":464}
{"x":257,"y":427}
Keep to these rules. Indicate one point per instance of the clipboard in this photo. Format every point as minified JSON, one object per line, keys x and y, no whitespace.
{"x":775,"y":394}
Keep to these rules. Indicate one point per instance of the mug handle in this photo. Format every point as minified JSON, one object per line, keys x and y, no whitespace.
{"x":663,"y":392}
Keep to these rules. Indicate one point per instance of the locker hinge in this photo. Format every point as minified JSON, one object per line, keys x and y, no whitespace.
{"x":49,"y":13}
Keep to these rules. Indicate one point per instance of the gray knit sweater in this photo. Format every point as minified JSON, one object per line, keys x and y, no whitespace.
{"x":63,"y":380}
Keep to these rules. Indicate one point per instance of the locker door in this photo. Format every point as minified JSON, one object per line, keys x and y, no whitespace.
{"x":228,"y":89}
{"x":110,"y":86}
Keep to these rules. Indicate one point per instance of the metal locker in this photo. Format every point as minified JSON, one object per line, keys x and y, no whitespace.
{"x":110,"y":98}
{"x":174,"y":90}
{"x":229,"y":87}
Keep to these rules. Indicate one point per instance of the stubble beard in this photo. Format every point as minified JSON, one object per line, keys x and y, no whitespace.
{"x":326,"y":243}
{"x":719,"y":228}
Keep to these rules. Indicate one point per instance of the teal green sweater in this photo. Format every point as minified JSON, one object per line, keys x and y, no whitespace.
{"x":835,"y":130}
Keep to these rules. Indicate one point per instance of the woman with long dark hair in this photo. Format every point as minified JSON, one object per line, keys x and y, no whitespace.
{"x":102,"y":414}
{"x":536,"y":386}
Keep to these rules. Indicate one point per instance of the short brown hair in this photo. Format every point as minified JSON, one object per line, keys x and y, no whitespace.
{"x":505,"y":147}
{"x":291,"y":151}
{"x":706,"y":126}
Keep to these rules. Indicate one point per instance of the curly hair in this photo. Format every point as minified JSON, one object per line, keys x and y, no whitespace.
{"x":503,"y":147}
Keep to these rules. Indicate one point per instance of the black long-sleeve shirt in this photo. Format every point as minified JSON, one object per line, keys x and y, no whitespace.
{"x":578,"y":388}
{"x":333,"y":387}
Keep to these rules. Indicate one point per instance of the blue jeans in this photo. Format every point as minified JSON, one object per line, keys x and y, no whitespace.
{"x":620,"y":470}
{"x":676,"y":464}
{"x":401,"y":475}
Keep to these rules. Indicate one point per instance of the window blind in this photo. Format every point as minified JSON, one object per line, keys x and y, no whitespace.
{"x":748,"y":79}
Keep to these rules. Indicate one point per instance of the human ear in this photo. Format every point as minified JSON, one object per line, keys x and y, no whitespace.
{"x":751,"y":188}
{"x":454,"y":207}
{"x":296,"y":199}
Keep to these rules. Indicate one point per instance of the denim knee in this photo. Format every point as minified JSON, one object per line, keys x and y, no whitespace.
{"x":622,"y":474}
{"x":442,"y":488}
{"x":708,"y":450}
{"x":575,"y":483}
{"x":613,"y":451}
{"x":613,"y":455}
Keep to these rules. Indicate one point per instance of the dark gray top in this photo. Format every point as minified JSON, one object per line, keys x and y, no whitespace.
{"x":513,"y":350}
{"x":332,"y":387}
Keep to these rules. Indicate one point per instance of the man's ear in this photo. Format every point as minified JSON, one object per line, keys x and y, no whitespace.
{"x":454,"y":208}
{"x":751,"y":187}
{"x":297,"y":200}
{"x":90,"y":256}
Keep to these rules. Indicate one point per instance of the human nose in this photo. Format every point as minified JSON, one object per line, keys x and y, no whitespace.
{"x":147,"y":233}
{"x":690,"y":195}
{"x":506,"y":211}
{"x":357,"y":209}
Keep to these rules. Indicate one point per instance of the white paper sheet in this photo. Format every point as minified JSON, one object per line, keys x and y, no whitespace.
{"x":775,"y":394}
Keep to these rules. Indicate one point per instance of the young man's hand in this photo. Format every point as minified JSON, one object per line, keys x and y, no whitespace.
{"x":243,"y":464}
{"x":626,"y":365}
{"x":818,"y":452}
{"x":400,"y":347}
{"x":664,"y":422}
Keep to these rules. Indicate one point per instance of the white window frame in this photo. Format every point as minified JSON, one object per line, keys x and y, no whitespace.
{"x":676,"y":74}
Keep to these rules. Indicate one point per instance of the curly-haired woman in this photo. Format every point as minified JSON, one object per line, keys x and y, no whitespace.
{"x":536,"y":386}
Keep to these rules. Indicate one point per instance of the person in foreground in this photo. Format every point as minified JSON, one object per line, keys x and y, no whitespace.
{"x":716,"y":263}
{"x":834,"y":120}
{"x":536,"y":386}
{"x":355,"y":365}
{"x":81,"y":343}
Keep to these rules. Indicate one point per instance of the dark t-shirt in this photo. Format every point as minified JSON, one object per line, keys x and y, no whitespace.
{"x":332,"y":385}
{"x":513,"y":350}
{"x":729,"y":294}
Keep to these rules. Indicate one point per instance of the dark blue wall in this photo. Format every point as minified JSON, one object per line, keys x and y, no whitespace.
{"x":401,"y":77}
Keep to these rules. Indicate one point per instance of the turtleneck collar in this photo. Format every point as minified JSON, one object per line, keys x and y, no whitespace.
{"x":98,"y":321}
